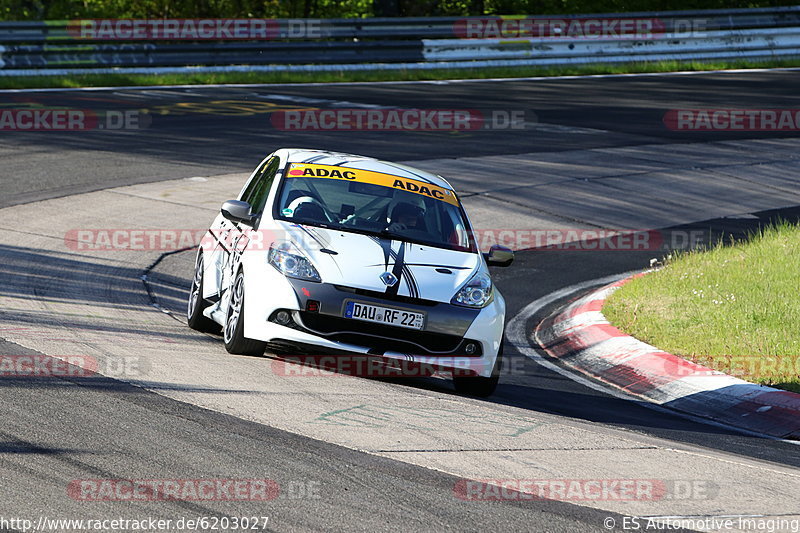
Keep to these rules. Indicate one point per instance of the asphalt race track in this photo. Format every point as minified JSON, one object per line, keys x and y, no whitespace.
{"x":222,"y":130}
{"x":590,"y":153}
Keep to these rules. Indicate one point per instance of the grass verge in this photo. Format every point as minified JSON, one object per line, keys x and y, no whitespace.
{"x":109,"y":80}
{"x":734,"y":308}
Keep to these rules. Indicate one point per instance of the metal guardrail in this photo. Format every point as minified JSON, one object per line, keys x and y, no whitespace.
{"x":54,"y":48}
{"x":745,"y":44}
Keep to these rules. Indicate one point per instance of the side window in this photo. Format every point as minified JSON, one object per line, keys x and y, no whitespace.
{"x":247,"y":195}
{"x":258,"y":190}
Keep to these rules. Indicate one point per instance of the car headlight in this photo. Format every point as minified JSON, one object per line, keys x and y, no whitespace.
{"x":291,"y":263}
{"x":476,"y":293}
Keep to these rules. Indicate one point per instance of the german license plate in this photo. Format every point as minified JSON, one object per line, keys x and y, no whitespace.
{"x":384,"y":315}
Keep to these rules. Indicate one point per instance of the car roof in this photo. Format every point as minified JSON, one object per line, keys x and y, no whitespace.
{"x":323,"y":157}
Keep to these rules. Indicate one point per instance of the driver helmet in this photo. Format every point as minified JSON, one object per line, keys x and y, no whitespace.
{"x":407,"y":214}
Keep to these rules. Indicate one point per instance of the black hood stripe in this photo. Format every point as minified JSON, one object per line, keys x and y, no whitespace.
{"x":413,"y":288}
{"x":400,"y":268}
{"x":386,"y":246}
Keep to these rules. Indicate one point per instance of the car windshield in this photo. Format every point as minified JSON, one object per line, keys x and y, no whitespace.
{"x":373,"y":203}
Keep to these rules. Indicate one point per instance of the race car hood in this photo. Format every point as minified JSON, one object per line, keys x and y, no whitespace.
{"x":362,"y":261}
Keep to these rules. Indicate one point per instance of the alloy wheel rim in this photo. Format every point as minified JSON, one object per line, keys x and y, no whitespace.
{"x":194,"y":292}
{"x":234,"y":309}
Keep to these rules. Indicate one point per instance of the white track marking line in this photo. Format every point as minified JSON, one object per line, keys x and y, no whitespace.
{"x":417,"y":82}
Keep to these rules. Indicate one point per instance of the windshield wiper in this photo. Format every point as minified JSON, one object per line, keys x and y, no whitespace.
{"x":315,"y":224}
{"x":385,"y":232}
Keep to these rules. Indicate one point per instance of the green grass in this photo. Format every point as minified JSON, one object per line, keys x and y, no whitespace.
{"x":106,"y":80}
{"x":735,"y":308}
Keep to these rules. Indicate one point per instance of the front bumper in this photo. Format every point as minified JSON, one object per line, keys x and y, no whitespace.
{"x":448,"y":328}
{"x":445,"y":325}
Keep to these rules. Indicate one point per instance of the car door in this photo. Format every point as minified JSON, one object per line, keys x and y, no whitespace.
{"x":235,"y":236}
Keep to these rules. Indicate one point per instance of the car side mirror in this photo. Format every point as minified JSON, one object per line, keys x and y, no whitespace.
{"x":499,"y":256}
{"x":238,"y":211}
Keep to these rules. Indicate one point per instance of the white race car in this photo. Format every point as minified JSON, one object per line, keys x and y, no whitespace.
{"x":332,"y":253}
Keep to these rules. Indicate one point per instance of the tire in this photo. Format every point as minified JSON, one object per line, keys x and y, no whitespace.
{"x":233,"y":331}
{"x":194,"y":310}
{"x":478,"y":385}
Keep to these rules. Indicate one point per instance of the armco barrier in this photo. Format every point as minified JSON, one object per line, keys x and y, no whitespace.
{"x":54,"y":47}
{"x":753,"y":43}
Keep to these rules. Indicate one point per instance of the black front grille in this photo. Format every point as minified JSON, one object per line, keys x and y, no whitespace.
{"x":383,"y":338}
{"x":383,"y":296}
